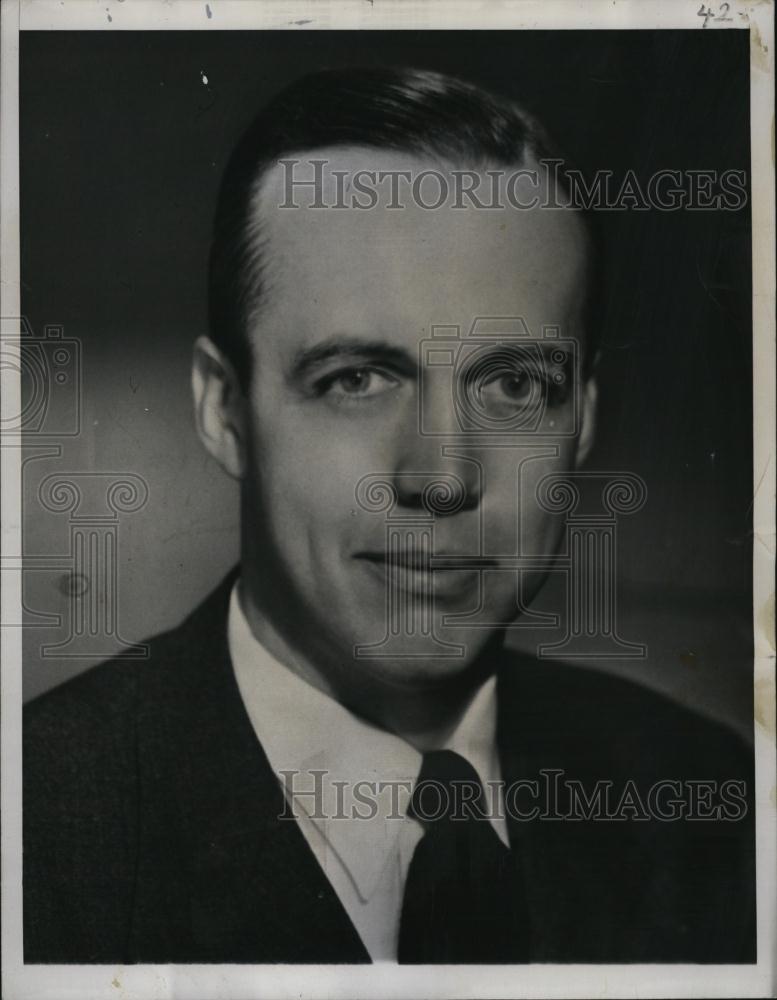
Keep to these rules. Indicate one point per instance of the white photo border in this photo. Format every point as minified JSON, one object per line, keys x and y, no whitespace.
{"x":95,"y":982}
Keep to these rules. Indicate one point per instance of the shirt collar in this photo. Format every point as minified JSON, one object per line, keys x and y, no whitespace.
{"x":302,"y":730}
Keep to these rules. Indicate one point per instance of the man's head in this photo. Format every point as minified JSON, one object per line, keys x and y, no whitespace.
{"x":314,"y":383}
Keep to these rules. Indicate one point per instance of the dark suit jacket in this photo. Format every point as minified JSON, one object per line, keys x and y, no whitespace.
{"x":151,"y":829}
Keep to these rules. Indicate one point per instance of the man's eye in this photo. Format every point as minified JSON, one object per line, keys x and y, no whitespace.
{"x":358,"y":383}
{"x":514,"y":386}
{"x":506,"y":387}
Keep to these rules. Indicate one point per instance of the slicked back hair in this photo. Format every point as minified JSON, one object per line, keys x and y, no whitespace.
{"x":406,"y":110}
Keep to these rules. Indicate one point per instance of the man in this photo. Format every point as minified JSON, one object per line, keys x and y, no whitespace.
{"x":209,"y":805}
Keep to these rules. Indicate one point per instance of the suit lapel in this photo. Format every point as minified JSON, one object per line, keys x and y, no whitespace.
{"x":255,"y":890}
{"x":565,"y":887}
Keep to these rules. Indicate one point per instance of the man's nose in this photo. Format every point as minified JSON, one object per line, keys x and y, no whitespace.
{"x":437,"y":472}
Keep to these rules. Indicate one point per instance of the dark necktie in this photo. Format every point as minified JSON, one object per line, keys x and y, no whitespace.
{"x":463,"y":900}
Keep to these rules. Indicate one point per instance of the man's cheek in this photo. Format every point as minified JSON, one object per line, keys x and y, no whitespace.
{"x":313,"y":494}
{"x":334,"y":466}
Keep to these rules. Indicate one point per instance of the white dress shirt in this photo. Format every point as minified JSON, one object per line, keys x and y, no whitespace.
{"x":303,"y":730}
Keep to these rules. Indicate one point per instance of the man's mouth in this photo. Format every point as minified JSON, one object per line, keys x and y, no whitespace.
{"x":442,"y":575}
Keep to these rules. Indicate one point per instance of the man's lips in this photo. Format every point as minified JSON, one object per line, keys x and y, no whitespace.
{"x":428,"y":561}
{"x":415,"y":572}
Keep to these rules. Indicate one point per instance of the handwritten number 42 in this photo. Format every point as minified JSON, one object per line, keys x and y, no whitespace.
{"x":708,"y":12}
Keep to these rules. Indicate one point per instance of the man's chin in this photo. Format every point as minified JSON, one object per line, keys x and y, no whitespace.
{"x":424,"y":661}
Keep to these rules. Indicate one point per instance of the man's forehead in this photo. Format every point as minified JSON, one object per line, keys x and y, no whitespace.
{"x":425,"y":265}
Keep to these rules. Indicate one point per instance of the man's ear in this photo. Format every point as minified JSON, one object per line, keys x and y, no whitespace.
{"x":588,"y":420}
{"x":219,"y":406}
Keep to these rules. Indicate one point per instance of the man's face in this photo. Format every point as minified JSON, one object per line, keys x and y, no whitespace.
{"x":335,"y":397}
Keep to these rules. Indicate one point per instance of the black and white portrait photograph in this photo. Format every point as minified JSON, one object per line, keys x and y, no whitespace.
{"x":388,"y":499}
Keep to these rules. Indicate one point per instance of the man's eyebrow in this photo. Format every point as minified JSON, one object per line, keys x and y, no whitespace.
{"x":310,"y":357}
